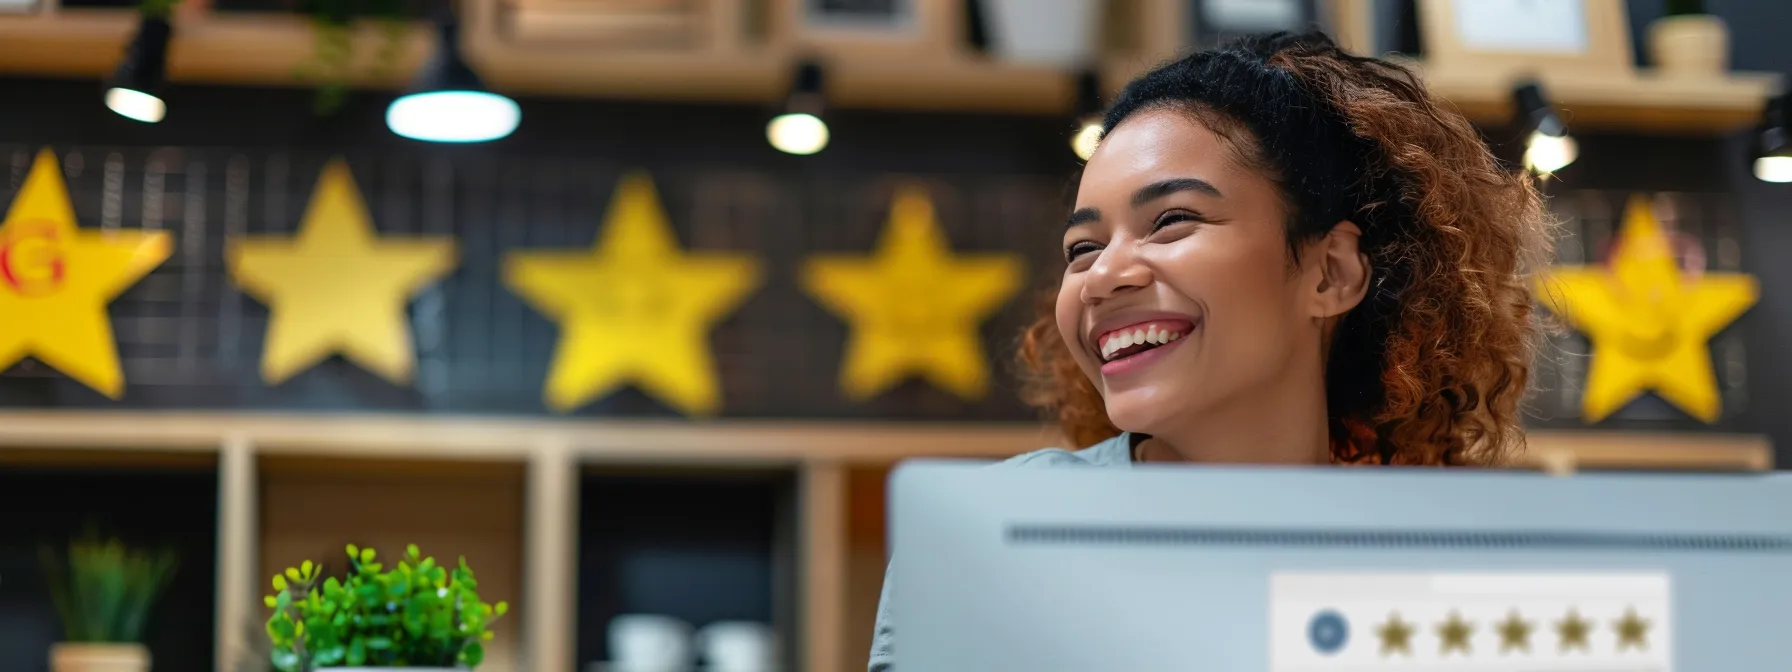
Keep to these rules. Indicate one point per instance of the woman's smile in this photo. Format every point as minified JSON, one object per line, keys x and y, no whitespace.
{"x":1129,"y":343}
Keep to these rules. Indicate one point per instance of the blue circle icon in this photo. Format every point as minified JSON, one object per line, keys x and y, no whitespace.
{"x":1328,"y":632}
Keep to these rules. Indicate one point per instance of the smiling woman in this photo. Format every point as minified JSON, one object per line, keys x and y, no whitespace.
{"x":1282,"y":253}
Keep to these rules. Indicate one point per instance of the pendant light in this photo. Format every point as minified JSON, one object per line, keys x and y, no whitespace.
{"x":1773,"y":148}
{"x":799,"y":129}
{"x":448,"y":102}
{"x":1549,"y":147}
{"x":134,"y":91}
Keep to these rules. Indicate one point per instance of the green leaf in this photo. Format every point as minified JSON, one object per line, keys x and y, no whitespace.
{"x":502,"y":608}
{"x":411,"y":550}
{"x":367,"y":555}
{"x":271,"y":601}
{"x":379,"y":643}
{"x":357,"y":651}
{"x":293,"y":574}
{"x":329,"y":655}
{"x":354,"y":552}
{"x":285,"y":660}
{"x":472,"y":655}
{"x":305,"y":568}
{"x":279,"y":582}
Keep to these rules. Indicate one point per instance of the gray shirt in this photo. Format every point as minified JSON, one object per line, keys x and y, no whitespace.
{"x":1114,"y":452}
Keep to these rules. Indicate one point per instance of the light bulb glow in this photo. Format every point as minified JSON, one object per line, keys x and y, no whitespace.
{"x":137,"y":105}
{"x":453,"y":116}
{"x":1776,"y":169}
{"x":1545,"y":154}
{"x":797,"y":133}
{"x":1086,"y":140}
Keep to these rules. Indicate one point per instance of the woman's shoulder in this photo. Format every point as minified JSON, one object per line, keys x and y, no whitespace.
{"x":1114,"y":452}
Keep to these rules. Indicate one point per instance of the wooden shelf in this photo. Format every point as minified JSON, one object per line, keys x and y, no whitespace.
{"x":293,"y":486}
{"x":1645,"y":102}
{"x":247,"y":49}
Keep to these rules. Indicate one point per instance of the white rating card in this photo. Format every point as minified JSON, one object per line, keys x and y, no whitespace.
{"x":1443,"y":622}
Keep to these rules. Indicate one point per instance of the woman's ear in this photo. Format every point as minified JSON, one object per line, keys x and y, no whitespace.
{"x":1343,"y":270}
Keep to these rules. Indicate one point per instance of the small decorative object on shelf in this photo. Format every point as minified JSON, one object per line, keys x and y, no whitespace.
{"x":104,"y":591}
{"x":417,"y":616}
{"x":1689,"y":42}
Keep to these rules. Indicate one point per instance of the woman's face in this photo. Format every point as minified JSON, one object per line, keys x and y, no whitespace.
{"x":1178,"y":297}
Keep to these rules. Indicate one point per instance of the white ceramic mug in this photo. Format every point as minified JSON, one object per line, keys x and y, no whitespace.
{"x":649,"y":643}
{"x":737,"y":646}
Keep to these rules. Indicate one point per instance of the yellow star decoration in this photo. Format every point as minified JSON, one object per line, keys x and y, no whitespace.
{"x":914,"y":307}
{"x":337,"y":287}
{"x":1633,"y":630}
{"x":1648,"y":324}
{"x":1395,"y":635}
{"x":1454,"y":635}
{"x":636,"y":309}
{"x":1515,"y":634}
{"x":1573,"y":631}
{"x":56,"y":280}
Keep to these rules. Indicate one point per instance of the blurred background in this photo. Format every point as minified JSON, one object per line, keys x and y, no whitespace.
{"x":633,"y":303}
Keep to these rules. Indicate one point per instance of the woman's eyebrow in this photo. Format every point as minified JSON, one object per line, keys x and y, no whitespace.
{"x":1160,"y":189}
{"x":1083,"y":216}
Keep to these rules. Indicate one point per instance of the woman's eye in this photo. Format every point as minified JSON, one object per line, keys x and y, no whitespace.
{"x":1174,"y":217}
{"x":1079,"y":249}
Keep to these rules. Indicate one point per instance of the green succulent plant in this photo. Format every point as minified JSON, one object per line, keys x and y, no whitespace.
{"x":103,"y":589}
{"x":417,"y":614}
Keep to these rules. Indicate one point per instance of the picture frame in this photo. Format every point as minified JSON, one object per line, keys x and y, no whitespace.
{"x":872,"y":28}
{"x":1213,"y":21}
{"x":1516,"y":36}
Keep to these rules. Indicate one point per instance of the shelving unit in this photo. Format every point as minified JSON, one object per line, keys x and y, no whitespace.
{"x":531,"y":501}
{"x":165,"y":499}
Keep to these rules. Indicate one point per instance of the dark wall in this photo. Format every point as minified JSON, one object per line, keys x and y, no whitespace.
{"x":998,"y":181}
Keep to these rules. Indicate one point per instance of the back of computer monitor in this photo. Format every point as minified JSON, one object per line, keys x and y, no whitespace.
{"x":1311,"y":570}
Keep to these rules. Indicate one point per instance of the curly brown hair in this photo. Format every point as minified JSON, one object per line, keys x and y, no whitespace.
{"x":1431,"y":367}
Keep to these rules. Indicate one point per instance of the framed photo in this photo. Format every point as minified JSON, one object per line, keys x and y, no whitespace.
{"x":1213,"y":21}
{"x":872,"y":27}
{"x":1527,"y":35}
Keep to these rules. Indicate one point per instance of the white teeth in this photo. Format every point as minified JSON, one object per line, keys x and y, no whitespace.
{"x":1125,"y":340}
{"x":1153,"y":335}
{"x":1138,"y":336}
{"x":1171,"y":337}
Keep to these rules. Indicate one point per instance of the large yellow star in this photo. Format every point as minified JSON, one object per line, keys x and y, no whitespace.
{"x":636,"y":309}
{"x":1648,"y":323}
{"x":56,"y":280}
{"x":914,"y":307}
{"x":337,"y":287}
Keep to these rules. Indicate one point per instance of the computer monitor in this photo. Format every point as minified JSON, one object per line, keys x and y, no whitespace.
{"x":1327,"y":570}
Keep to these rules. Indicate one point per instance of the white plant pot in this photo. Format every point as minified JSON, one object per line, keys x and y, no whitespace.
{"x":85,"y":657}
{"x":1057,"y":33}
{"x":1695,"y":45}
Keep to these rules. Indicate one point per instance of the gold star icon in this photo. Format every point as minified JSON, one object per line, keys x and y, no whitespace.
{"x":634,"y":309}
{"x":338,"y":288}
{"x":1573,"y":631}
{"x":915,"y":308}
{"x":1454,"y":634}
{"x":56,"y":280}
{"x":1632,"y":631}
{"x":1396,"y":636}
{"x":1648,"y":323}
{"x":1515,"y":633}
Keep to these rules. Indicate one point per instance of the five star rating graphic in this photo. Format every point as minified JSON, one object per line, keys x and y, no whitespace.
{"x":1559,"y":622}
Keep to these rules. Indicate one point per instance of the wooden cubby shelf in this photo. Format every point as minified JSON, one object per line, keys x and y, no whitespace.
{"x":573,"y":521}
{"x":161,"y":500}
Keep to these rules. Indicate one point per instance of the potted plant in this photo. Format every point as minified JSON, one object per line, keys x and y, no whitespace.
{"x":1689,"y":42}
{"x":417,"y":615}
{"x":103,"y":592}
